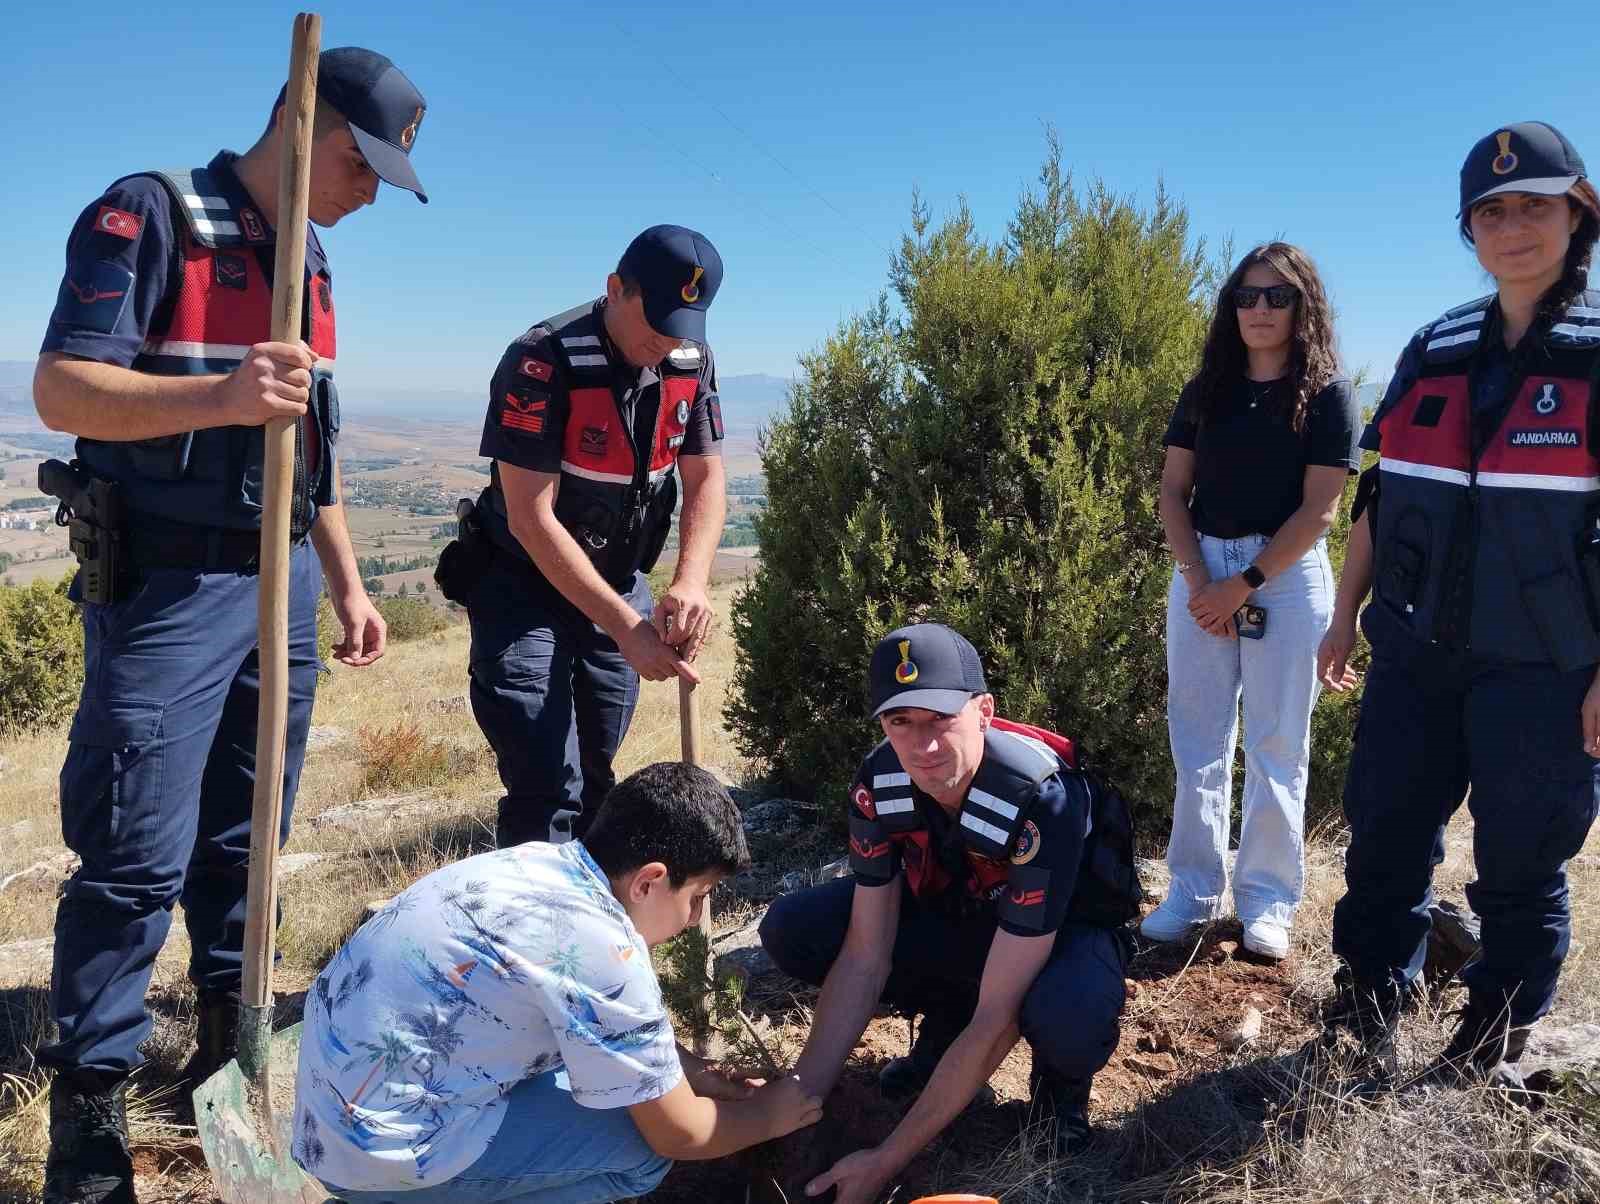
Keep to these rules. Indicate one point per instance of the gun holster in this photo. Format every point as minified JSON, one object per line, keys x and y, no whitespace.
{"x":465,"y":559}
{"x":91,"y":511}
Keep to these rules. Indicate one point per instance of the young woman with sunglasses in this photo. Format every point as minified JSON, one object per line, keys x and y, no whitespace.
{"x":1478,"y":531}
{"x":1258,"y":451}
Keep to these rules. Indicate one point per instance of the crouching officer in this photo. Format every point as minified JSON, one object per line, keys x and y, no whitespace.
{"x":1481,"y":546}
{"x":992,"y":884}
{"x":590,"y":413}
{"x":158,"y":357}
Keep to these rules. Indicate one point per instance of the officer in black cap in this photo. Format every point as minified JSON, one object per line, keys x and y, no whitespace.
{"x":593,"y":415}
{"x":1477,"y":531}
{"x":159,"y":357}
{"x":992,"y":882}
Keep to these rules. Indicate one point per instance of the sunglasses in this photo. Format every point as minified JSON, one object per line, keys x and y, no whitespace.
{"x":1279,"y":296}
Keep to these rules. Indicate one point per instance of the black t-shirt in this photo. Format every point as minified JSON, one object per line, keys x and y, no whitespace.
{"x":1250,"y":464}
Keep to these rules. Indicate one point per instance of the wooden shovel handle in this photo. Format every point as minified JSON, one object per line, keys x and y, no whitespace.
{"x":288,"y":297}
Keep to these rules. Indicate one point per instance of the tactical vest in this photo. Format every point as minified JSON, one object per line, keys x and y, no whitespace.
{"x":1481,"y":553}
{"x":220,"y":307}
{"x":1017,"y":759}
{"x":617,"y":492}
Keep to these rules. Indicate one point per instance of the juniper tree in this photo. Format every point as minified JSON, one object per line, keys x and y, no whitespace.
{"x":987,"y":454}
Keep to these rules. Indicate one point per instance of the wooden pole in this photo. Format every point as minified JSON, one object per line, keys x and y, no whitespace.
{"x":288,"y":299}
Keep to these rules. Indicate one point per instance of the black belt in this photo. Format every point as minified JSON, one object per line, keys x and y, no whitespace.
{"x":153,"y":545}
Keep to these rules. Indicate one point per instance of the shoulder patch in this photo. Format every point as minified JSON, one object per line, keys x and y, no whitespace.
{"x":1029,"y":842}
{"x":94,"y":299}
{"x":524,"y":409}
{"x":111,"y":220}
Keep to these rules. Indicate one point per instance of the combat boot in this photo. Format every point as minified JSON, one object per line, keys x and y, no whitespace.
{"x":1485,"y":1049}
{"x":216,"y":1037}
{"x":1359,"y":1027}
{"x":1065,"y":1101}
{"x":89,"y":1161}
{"x":902,"y":1078}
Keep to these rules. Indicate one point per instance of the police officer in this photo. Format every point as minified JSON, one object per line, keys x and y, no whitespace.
{"x":991,"y":884}
{"x":159,"y":358}
{"x":590,"y":412}
{"x":1477,"y":534}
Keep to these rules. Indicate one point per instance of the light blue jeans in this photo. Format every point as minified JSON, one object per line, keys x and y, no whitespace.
{"x":1277,"y":676}
{"x":549,"y":1150}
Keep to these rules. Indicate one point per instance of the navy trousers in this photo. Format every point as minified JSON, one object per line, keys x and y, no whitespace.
{"x":554,"y":697}
{"x":156,"y":793}
{"x":1070,"y":1014}
{"x":1432,"y":725}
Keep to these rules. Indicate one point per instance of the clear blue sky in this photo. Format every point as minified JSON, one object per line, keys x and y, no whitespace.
{"x":794,"y":136}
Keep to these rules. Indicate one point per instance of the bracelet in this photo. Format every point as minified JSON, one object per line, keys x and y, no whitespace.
{"x":1193,"y":564}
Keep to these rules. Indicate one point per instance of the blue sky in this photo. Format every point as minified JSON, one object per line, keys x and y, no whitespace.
{"x":794,"y":137}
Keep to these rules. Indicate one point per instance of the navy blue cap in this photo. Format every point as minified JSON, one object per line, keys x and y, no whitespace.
{"x":380,"y":104}
{"x":679,"y":273}
{"x":929,"y":666}
{"x":1529,"y":156}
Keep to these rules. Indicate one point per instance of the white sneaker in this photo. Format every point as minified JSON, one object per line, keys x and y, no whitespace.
{"x":1267,"y":938}
{"x":1175,"y":919}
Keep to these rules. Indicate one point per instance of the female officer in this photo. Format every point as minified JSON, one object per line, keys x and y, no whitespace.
{"x":1258,"y":452}
{"x":1478,"y":542}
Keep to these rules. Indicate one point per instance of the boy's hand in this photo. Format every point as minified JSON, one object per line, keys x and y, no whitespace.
{"x":714,"y":1082}
{"x":788,"y":1106}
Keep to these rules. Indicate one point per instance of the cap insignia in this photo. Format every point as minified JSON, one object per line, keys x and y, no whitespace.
{"x":409,"y":134}
{"x":691,"y":291}
{"x":1506,"y":161}
{"x":905,"y":672}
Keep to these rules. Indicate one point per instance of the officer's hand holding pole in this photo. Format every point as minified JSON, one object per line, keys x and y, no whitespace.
{"x":683,"y":618}
{"x":652,"y":659}
{"x":273,"y":381}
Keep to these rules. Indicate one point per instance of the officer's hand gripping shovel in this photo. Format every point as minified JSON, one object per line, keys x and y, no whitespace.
{"x":245,"y":1112}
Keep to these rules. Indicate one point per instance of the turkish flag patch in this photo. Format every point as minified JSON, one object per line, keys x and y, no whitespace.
{"x":537,"y":369}
{"x":119,"y":222}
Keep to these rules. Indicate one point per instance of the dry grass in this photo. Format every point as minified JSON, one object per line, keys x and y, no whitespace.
{"x":1247,"y":1128}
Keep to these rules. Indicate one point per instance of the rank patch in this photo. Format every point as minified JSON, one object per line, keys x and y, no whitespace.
{"x":592,"y":440}
{"x":94,"y":299}
{"x":232,"y":271}
{"x":523,"y":411}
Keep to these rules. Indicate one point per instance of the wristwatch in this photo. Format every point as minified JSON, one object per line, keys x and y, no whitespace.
{"x":1254,"y":577}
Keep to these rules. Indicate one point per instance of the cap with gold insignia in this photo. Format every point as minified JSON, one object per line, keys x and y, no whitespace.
{"x":929,"y":666}
{"x":383,"y":108}
{"x":679,"y":272}
{"x":1529,"y":156}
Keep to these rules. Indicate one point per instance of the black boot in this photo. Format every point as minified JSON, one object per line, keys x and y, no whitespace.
{"x":1359,"y":1027}
{"x":217,"y":1037}
{"x":89,"y":1162}
{"x":1064,"y":1100}
{"x":1485,"y":1049}
{"x":901,"y":1078}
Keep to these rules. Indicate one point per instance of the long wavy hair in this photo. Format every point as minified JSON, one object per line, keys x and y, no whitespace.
{"x":1313,"y":359}
{"x":1585,"y":201}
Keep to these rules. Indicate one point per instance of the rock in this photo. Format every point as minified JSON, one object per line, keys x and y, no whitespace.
{"x":767,"y":816}
{"x":291,"y":864}
{"x":455,"y":704}
{"x":1227,"y":949}
{"x":1452,"y":942}
{"x":1563,"y":1048}
{"x":42,"y":876}
{"x":1154,"y":878}
{"x":323,"y":736}
{"x":1156,"y":1065}
{"x":1246,"y":1031}
{"x":834,"y":869}
{"x":1154,"y":1042}
{"x":741,"y":952}
{"x":23,"y":962}
{"x":16,"y":832}
{"x":374,"y":810}
{"x":373,"y":907}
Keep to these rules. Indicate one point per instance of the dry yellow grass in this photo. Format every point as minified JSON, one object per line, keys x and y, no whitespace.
{"x":401,"y":729}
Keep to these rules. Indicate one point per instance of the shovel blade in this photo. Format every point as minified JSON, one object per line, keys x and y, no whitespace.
{"x":247,"y":1130}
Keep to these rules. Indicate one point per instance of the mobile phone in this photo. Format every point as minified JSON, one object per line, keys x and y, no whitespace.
{"x":1250,"y":622}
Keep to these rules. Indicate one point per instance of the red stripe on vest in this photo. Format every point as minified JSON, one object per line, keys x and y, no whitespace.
{"x":674,"y":390}
{"x":1441,"y":445}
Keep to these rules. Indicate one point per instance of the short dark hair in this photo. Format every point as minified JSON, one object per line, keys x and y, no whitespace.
{"x":630,"y":286}
{"x":671,"y":812}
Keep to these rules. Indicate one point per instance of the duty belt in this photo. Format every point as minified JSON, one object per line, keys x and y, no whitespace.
{"x":154,"y":545}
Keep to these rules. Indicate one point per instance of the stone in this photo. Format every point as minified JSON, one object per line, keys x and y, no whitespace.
{"x":1154,"y":878}
{"x":23,"y":962}
{"x":16,"y":832}
{"x":740,"y":951}
{"x":43,"y":876}
{"x":323,"y":737}
{"x":374,"y":810}
{"x":1246,"y":1031}
{"x":767,"y":816}
{"x":1156,"y":1065}
{"x":1563,"y":1048}
{"x":290,"y":864}
{"x":455,"y":704}
{"x":1227,"y":949}
{"x":1453,"y":940}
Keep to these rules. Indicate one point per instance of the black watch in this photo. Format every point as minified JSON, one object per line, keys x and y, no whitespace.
{"x":1254,"y":577}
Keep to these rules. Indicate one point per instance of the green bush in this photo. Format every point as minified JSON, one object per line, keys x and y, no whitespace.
{"x":408,"y":619}
{"x":988,"y":457}
{"x":41,"y":655}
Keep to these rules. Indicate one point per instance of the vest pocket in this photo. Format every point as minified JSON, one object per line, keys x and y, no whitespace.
{"x":162,"y":459}
{"x":1403,"y":570}
{"x":1556,"y":606}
